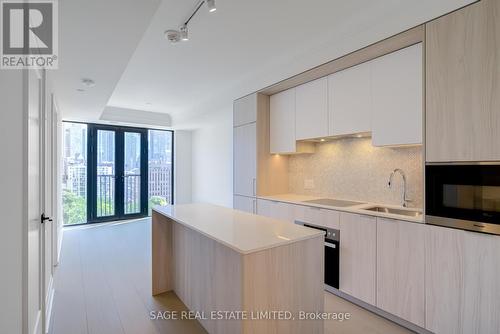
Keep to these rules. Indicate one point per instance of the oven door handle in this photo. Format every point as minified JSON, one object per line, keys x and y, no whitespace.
{"x":328,"y":244}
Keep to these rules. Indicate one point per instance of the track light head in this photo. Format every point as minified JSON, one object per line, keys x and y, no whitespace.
{"x":184,"y":33}
{"x":211,"y":5}
{"x":173,"y":36}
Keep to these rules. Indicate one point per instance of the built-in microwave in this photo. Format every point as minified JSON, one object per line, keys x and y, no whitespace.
{"x":463,"y":195}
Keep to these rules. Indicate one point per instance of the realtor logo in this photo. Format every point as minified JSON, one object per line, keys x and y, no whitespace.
{"x":29,"y":34}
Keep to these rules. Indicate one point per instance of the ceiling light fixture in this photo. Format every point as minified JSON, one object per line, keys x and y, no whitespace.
{"x":175,"y":36}
{"x":211,"y":6}
{"x":184,"y":33}
{"x":88,"y":82}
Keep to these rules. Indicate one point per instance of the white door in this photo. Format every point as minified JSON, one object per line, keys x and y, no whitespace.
{"x":48,"y":186}
{"x":245,"y":160}
{"x":35,"y":195}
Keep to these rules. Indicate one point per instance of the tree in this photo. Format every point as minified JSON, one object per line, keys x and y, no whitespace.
{"x":156,"y":200}
{"x":74,"y":208}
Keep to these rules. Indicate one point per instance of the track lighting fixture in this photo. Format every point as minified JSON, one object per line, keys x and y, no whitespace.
{"x":184,"y":33}
{"x":211,"y":6}
{"x":175,"y":36}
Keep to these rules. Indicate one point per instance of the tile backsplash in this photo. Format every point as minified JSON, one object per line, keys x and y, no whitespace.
{"x":352,"y":168}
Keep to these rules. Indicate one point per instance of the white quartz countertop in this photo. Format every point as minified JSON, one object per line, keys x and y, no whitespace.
{"x":243,"y":232}
{"x":359,"y":209}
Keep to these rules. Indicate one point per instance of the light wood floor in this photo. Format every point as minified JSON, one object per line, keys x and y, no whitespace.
{"x":103,"y":286}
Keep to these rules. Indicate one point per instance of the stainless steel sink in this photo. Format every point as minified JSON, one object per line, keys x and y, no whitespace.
{"x":403,"y":212}
{"x":333,"y":202}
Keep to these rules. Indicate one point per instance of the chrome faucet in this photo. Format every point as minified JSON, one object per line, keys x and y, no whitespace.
{"x":404,"y":198}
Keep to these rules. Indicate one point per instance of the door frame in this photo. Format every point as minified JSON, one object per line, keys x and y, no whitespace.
{"x":92,"y":130}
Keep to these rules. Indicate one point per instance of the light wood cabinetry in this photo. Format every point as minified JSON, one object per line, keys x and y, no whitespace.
{"x":256,"y":171}
{"x":444,"y":281}
{"x":397,"y":97}
{"x":317,"y":216}
{"x":276,"y":210}
{"x":245,"y":156}
{"x":482,"y":283}
{"x":358,"y":261}
{"x":463,"y":84}
{"x":400,"y":269}
{"x":244,"y":203}
{"x":461,"y":277}
{"x":311,"y":119}
{"x":350,"y":101}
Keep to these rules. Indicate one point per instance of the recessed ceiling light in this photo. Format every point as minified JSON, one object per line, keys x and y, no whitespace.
{"x":88,"y":82}
{"x":322,"y":139}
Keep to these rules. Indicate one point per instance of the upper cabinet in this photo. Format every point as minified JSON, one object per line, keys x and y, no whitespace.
{"x":282,"y":122}
{"x":311,"y":120}
{"x":463,"y":85}
{"x":349,"y":100}
{"x":397,"y":97}
{"x":245,"y":110}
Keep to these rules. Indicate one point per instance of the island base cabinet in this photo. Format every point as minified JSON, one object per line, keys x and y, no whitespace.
{"x":400,"y":269}
{"x":209,"y":276}
{"x":358,"y":261}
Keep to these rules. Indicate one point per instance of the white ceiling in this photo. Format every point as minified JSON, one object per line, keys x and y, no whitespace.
{"x":96,"y":40}
{"x":242,"y":47}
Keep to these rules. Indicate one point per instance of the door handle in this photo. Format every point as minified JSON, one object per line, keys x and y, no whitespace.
{"x":43,"y":218}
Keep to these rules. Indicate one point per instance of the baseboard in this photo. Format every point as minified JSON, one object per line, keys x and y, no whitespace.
{"x":389,"y":316}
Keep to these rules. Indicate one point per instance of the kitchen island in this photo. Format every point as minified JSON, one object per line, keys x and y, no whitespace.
{"x":239,"y":272}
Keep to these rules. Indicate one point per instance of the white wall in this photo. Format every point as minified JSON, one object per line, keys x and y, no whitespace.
{"x":182,"y":167}
{"x":212,"y":162}
{"x":212,"y":142}
{"x":12,"y":139}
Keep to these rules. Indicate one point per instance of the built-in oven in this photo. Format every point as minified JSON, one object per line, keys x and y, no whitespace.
{"x":464,"y":196}
{"x":332,"y":253}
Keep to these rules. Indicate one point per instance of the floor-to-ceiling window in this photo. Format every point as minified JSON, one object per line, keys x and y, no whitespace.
{"x":74,"y":182}
{"x":160,"y":171}
{"x":113,"y":172}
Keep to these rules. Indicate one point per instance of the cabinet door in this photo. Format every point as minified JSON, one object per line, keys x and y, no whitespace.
{"x":245,"y":156}
{"x":358,"y":247}
{"x":312,"y":109}
{"x":243,"y":203}
{"x":245,"y":110}
{"x":282,"y":122}
{"x":317,"y":216}
{"x":463,"y":84}
{"x":482,"y":283}
{"x":397,"y":97}
{"x":444,"y":281}
{"x":400,"y":269}
{"x":275,"y":209}
{"x":349,"y":100}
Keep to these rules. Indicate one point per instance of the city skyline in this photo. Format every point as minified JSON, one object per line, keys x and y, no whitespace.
{"x":75,"y":165}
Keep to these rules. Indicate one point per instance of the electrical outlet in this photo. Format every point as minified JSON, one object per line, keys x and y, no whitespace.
{"x":309,"y":184}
